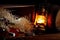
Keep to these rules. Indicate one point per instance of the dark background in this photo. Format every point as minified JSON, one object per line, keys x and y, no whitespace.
{"x":54,"y":2}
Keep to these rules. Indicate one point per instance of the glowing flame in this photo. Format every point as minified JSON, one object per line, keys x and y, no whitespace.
{"x":40,"y":19}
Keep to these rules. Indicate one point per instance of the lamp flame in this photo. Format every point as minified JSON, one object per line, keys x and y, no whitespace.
{"x":40,"y":19}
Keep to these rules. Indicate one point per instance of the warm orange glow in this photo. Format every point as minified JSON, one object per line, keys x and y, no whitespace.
{"x":40,"y":19}
{"x":49,"y":20}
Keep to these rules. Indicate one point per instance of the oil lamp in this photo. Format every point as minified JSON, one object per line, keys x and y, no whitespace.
{"x":41,"y":19}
